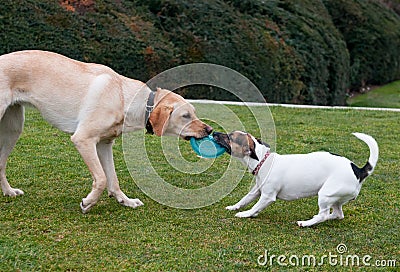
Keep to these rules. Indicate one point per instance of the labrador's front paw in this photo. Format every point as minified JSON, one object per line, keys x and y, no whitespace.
{"x":132,"y":202}
{"x":13,"y":192}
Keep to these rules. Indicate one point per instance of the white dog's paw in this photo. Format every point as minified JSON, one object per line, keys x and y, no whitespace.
{"x":13,"y":192}
{"x":303,"y":224}
{"x":133,"y":203}
{"x":232,"y":208}
{"x":245,"y":214}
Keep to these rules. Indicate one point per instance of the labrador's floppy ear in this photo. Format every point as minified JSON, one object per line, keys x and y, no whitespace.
{"x":159,"y":118}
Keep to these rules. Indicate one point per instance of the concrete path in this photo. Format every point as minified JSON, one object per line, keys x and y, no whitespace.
{"x":289,"y":105}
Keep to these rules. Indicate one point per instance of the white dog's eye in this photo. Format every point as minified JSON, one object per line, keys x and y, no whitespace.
{"x":186,"y":116}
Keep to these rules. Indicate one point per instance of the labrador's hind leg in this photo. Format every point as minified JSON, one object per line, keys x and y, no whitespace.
{"x":11,"y":126}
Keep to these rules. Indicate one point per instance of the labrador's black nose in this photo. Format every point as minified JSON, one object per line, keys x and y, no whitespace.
{"x":209,"y":129}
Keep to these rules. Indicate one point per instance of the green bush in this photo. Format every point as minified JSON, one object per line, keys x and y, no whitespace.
{"x":294,"y":51}
{"x":372,"y":35}
{"x":105,"y":33}
{"x":215,"y":32}
{"x":307,"y":28}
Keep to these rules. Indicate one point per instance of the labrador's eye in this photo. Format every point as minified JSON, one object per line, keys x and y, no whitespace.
{"x":186,"y":116}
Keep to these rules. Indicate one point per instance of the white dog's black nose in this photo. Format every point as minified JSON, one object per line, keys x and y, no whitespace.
{"x":223,"y":140}
{"x":218,"y":136}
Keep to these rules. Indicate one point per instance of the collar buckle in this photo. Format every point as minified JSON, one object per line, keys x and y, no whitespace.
{"x":149,"y":109}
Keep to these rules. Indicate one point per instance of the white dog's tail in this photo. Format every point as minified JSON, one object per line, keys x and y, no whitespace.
{"x":362,"y":173}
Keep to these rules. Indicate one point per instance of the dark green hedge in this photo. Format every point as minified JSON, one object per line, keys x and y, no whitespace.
{"x":300,"y":51}
{"x":372,"y":35}
{"x":306,"y":27}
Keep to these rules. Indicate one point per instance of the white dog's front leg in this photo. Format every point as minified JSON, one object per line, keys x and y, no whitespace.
{"x":251,"y":196}
{"x":261,"y":204}
{"x":104,"y":151}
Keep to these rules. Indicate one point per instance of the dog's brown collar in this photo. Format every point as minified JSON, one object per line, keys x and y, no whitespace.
{"x":149,"y":108}
{"x":255,"y":171}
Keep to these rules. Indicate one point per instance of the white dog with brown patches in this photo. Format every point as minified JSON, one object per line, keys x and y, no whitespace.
{"x":335,"y":179}
{"x":91,"y":102}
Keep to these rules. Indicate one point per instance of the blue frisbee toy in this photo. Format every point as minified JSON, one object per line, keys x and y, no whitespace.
{"x":207,"y":147}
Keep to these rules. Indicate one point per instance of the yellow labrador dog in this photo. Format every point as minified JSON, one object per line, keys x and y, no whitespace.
{"x":91,"y":102}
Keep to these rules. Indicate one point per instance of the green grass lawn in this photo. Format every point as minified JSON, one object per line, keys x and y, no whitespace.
{"x":44,"y":230}
{"x":387,"y":96}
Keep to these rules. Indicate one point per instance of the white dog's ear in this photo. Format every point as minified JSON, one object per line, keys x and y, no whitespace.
{"x":251,"y":149}
{"x":251,"y":153}
{"x":262,"y":142}
{"x":159,"y":118}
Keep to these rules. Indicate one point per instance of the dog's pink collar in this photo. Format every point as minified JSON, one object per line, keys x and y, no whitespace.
{"x":255,"y":171}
